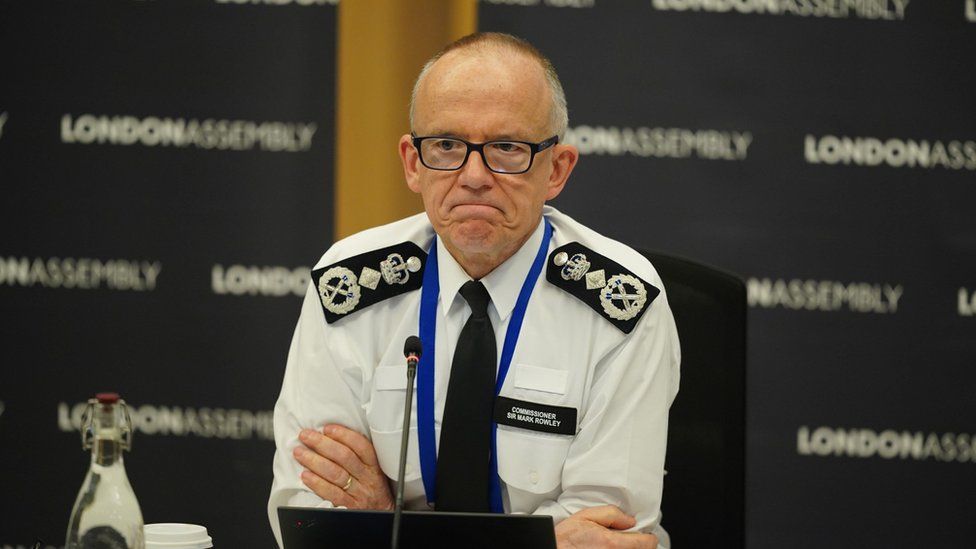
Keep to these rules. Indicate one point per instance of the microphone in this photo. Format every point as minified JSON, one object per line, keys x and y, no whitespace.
{"x":412,"y":349}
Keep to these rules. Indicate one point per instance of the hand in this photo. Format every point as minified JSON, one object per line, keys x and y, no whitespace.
{"x":595,"y":528}
{"x":340,"y":458}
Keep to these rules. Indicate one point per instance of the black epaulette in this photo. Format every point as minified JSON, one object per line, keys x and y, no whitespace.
{"x":360,"y":281}
{"x":615,"y":293}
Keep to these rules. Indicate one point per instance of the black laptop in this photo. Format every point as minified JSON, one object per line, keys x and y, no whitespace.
{"x":313,"y":528}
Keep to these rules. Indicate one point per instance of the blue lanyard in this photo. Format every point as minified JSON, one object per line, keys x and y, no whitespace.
{"x":425,"y":370}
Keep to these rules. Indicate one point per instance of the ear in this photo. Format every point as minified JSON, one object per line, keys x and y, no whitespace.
{"x":564,"y":159}
{"x":411,"y":162}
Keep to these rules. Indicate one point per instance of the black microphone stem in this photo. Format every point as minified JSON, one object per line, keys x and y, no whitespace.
{"x":405,"y":436}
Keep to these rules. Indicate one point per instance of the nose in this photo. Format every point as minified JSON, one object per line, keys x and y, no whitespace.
{"x":475,"y":174}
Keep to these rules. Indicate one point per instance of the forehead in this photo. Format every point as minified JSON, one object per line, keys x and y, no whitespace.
{"x":484,"y":94}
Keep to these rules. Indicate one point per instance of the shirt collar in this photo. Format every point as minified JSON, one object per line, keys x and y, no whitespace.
{"x":503,"y":284}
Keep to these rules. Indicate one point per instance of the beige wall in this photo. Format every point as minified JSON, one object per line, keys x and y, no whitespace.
{"x":382,"y":46}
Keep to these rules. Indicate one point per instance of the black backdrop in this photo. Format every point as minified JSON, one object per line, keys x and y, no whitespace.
{"x":824,"y":151}
{"x":165,"y":171}
{"x":166,"y":179}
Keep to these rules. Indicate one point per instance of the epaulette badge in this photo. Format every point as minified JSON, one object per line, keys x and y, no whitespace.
{"x":622,"y":297}
{"x":360,"y":281}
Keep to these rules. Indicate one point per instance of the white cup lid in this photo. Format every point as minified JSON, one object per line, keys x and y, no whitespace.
{"x":173,"y":535}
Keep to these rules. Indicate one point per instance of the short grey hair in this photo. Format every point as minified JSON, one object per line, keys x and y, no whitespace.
{"x":558,"y":111}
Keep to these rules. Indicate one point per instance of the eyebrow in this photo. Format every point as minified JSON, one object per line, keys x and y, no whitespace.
{"x":501,"y":137}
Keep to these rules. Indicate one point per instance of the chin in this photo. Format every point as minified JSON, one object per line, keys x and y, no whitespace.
{"x":474,"y":236}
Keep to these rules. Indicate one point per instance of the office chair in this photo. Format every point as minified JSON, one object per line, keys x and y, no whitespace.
{"x":704,"y":489}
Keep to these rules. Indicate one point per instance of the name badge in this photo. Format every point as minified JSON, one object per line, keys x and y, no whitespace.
{"x":558,"y":420}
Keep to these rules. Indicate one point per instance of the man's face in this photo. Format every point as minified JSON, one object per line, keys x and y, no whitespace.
{"x":483,"y":97}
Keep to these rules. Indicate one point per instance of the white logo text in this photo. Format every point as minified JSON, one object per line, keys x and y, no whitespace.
{"x":150,"y":419}
{"x":81,"y":273}
{"x":282,"y":2}
{"x":152,"y":131}
{"x":896,"y":153}
{"x":550,"y":3}
{"x":660,"y":142}
{"x":888,"y":444}
{"x":253,"y":280}
{"x":966,"y":302}
{"x":837,"y":9}
{"x":823,"y":295}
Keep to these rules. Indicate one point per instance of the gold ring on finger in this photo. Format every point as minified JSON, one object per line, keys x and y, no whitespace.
{"x":348,"y":484}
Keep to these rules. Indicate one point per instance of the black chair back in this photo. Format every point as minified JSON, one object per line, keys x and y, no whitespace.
{"x":704,"y":489}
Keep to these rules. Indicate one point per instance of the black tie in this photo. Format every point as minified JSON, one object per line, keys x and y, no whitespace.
{"x":465,"y":444}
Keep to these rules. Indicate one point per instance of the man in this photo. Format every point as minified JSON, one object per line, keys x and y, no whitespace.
{"x":572,"y":327}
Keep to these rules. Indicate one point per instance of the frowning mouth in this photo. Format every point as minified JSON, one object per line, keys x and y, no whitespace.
{"x":476,"y":212}
{"x":475,"y":207}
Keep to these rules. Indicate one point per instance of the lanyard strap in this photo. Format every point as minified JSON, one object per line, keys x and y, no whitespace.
{"x":425,"y":371}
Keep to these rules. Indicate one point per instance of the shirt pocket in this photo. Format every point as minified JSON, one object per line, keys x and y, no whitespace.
{"x":385,"y":409}
{"x":385,"y":416}
{"x":536,"y":378}
{"x":531,"y":461}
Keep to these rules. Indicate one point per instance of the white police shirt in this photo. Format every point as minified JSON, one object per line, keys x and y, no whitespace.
{"x":352,"y":372}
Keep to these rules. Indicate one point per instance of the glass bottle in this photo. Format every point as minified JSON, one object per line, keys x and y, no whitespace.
{"x":106,"y":514}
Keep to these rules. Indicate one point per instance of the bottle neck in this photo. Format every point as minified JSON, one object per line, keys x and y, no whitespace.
{"x":106,"y":452}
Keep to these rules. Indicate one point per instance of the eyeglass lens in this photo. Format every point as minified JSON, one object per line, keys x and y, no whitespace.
{"x":501,"y":156}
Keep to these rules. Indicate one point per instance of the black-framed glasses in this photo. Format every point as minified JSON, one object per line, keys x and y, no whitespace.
{"x":450,"y":153}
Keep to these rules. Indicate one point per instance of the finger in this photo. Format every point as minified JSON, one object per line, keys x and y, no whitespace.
{"x":326,"y":490}
{"x":336,"y":477}
{"x":608,"y":516}
{"x":629,"y":540}
{"x":337,"y":452}
{"x":321,"y":466}
{"x":355,"y":441}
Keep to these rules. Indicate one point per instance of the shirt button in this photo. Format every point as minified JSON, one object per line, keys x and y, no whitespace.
{"x":534,"y":477}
